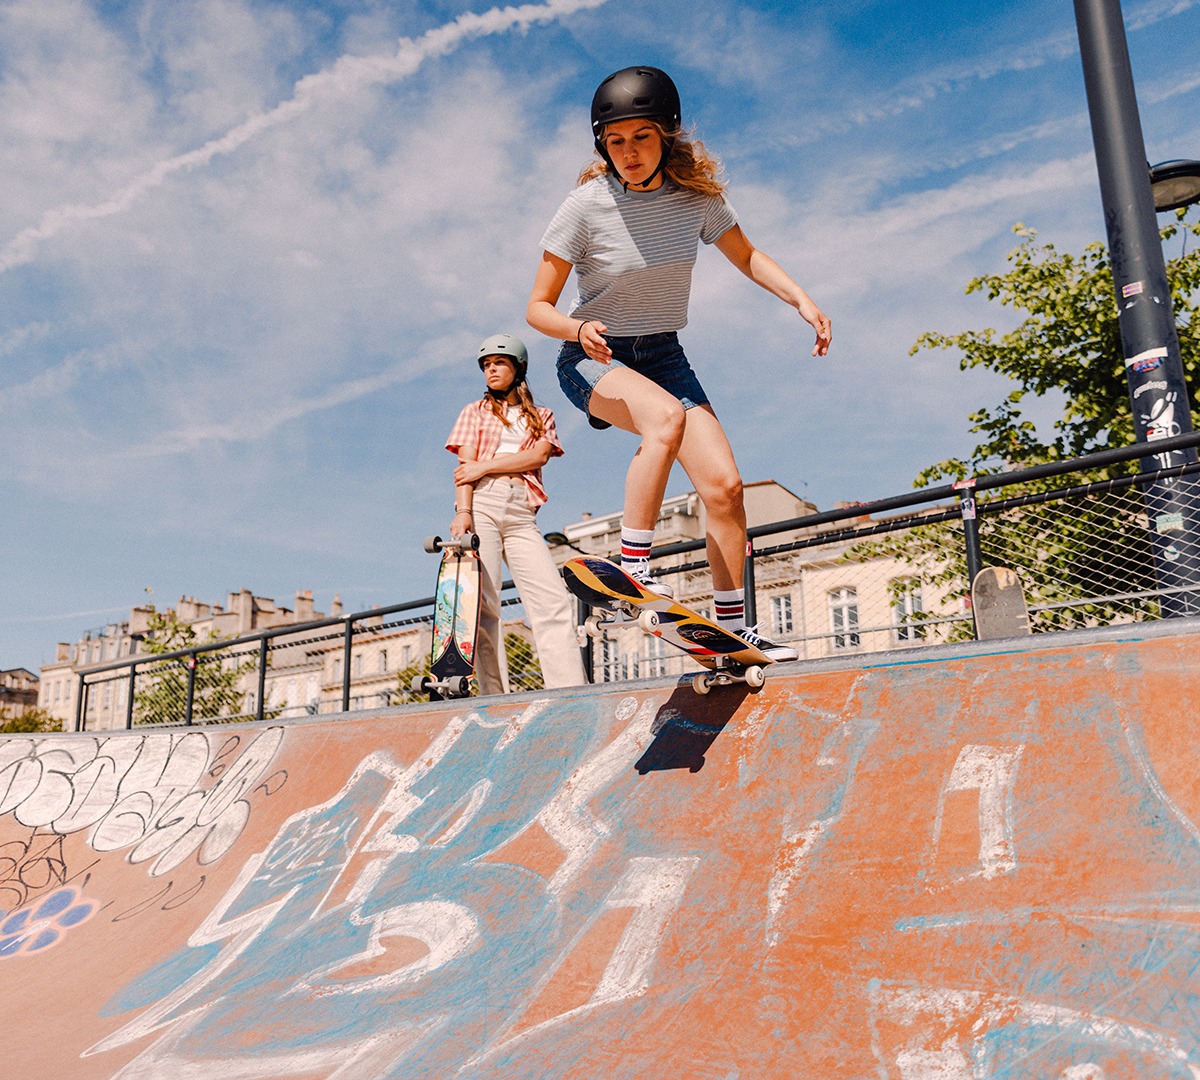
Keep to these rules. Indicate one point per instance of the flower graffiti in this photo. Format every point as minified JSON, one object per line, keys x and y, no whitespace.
{"x":34,"y":929}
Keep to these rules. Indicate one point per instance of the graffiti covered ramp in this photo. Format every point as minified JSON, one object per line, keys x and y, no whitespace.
{"x":972,"y":864}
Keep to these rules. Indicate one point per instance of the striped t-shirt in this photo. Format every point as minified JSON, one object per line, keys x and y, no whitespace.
{"x":633,"y":251}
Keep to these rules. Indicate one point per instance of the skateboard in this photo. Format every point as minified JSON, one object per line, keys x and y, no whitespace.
{"x":605,"y":586}
{"x":455,"y":618}
{"x":998,"y":602}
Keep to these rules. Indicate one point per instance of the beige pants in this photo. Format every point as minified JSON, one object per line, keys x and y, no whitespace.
{"x":508,"y":531}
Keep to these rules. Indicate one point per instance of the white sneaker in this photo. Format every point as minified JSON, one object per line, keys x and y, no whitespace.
{"x":641,"y":574}
{"x":750,"y":635}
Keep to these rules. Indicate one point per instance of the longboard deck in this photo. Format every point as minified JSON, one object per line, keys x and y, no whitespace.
{"x":603,"y":584}
{"x":998,"y":603}
{"x":455,"y":619}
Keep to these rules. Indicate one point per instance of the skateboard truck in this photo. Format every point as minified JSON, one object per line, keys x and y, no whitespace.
{"x":457,"y":544}
{"x":726,"y":672}
{"x":601,"y":619}
{"x":455,"y":686}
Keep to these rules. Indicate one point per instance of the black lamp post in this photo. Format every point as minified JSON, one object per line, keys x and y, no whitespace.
{"x":1153,"y":367}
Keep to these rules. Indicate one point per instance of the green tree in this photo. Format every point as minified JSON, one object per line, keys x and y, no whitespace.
{"x":524,"y":670}
{"x":1068,"y":342}
{"x":163,"y":697}
{"x":29,"y":722}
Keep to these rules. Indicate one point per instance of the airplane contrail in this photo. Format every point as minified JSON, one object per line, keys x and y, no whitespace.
{"x":346,"y":75}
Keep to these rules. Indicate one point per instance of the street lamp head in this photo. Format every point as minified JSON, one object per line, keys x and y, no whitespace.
{"x":556,"y":539}
{"x":1175,"y":184}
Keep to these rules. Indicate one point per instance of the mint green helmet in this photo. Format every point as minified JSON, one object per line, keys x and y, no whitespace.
{"x":506,"y":345}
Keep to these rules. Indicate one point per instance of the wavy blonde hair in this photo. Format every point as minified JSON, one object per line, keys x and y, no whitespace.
{"x":689,"y":165}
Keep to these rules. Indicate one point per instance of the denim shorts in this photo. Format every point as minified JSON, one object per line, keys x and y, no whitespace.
{"x":659,"y":357}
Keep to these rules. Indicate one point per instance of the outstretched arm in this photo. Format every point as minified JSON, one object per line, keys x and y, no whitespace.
{"x":760,"y":268}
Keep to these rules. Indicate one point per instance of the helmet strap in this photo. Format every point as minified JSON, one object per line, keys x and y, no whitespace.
{"x":668,"y":144}
{"x":502,"y":395}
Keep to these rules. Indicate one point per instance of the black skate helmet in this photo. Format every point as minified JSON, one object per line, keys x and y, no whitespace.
{"x":506,"y":345}
{"x":633,"y":93}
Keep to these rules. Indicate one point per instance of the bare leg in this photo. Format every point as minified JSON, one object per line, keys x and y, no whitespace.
{"x":707,"y":457}
{"x":633,"y":403}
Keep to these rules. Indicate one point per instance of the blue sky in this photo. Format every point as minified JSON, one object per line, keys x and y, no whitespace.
{"x":248,"y":249}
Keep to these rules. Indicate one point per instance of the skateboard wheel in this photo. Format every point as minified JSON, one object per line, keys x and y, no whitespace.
{"x":755,"y":677}
{"x":592,"y":627}
{"x":461,"y":687}
{"x":701,"y":684}
{"x":419,"y":684}
{"x":648,"y":621}
{"x":471,"y":540}
{"x":433,"y":544}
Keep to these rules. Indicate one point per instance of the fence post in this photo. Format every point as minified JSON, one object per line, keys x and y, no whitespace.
{"x":132,"y":691}
{"x":970,"y":520}
{"x":262,"y":678}
{"x":751,"y":606}
{"x":586,"y":645}
{"x":191,"y":689}
{"x":346,"y":666}
{"x":81,"y":704}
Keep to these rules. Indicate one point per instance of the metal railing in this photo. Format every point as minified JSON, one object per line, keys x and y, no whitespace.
{"x":895,"y":573}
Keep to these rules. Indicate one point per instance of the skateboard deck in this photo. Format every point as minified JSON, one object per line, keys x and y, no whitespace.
{"x":998,"y":602}
{"x":604,"y":585}
{"x":455,"y":618}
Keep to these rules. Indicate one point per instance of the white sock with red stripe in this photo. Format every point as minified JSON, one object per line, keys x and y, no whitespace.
{"x":729,"y":608}
{"x":635,"y":549}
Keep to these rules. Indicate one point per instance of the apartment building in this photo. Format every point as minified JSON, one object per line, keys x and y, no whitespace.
{"x":108,"y":698}
{"x":18,"y":692}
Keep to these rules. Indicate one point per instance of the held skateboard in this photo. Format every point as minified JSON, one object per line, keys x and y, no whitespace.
{"x":606,"y":586}
{"x":455,"y":618}
{"x":998,"y":603}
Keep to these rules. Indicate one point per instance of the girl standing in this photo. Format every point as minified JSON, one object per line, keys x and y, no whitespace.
{"x":631,"y":230}
{"x":502,"y":442}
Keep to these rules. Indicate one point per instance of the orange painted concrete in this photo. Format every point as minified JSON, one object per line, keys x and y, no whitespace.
{"x":938,"y":865}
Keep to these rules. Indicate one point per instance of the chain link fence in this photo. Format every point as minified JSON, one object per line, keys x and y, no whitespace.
{"x":860,"y":579}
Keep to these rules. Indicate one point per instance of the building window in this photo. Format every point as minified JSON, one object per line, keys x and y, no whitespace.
{"x":843,"y":618}
{"x":907,"y":610}
{"x":656,"y":663}
{"x":781,"y":615}
{"x":383,"y":662}
{"x":612,"y":663}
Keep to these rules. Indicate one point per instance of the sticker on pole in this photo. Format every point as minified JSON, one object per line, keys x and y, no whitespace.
{"x":1148,"y":360}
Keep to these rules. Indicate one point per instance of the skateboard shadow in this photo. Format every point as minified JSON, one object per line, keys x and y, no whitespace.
{"x":687,"y":725}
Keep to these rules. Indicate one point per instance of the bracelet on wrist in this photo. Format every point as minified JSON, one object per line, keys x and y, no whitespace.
{"x":579,"y":332}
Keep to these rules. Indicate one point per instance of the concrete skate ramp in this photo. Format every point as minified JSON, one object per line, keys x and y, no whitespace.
{"x":938,"y":865}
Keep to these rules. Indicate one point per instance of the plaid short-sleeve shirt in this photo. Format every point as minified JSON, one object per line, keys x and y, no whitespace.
{"x":478,"y":430}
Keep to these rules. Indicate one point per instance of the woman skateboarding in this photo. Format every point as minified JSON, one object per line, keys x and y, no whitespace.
{"x":502,"y":442}
{"x":631,"y":230}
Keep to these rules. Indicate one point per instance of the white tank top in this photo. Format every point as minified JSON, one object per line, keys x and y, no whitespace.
{"x":513,"y":436}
